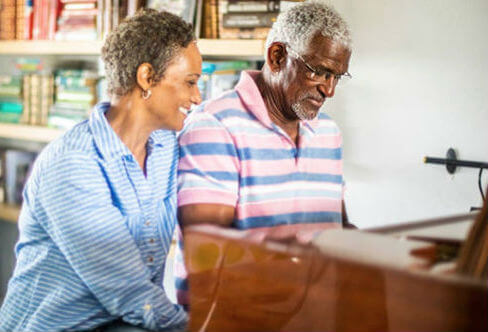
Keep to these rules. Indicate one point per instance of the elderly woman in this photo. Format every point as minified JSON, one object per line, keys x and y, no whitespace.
{"x":100,"y":207}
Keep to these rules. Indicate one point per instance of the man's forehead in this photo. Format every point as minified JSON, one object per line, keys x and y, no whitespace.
{"x":322,"y":47}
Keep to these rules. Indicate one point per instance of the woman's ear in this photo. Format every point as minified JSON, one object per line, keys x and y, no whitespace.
{"x":145,"y":73}
{"x":276,"y":56}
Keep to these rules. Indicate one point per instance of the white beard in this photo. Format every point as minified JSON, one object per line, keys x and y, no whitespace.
{"x":302,"y":113}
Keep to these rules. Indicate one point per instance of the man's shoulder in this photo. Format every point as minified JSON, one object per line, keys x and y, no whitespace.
{"x":226,"y":105}
{"x":326,"y":125}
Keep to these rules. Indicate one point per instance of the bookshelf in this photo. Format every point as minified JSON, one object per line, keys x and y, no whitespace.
{"x":208,"y":47}
{"x":29,"y":133}
{"x":9,"y":212}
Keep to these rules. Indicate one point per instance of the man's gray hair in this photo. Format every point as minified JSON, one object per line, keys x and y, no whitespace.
{"x":299,"y":24}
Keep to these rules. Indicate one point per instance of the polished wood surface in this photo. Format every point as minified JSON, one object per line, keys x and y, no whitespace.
{"x":237,"y":284}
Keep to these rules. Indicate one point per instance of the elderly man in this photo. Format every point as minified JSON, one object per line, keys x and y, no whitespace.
{"x":262,"y":157}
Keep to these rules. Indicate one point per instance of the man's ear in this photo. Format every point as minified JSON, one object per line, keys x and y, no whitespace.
{"x":145,"y":73}
{"x":276,"y":57}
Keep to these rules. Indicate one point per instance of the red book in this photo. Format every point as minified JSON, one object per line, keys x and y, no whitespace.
{"x":28,"y":19}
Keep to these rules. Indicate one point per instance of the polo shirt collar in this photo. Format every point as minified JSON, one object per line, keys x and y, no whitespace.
{"x":254,"y":102}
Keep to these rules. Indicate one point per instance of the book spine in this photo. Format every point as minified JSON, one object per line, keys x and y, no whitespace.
{"x":46,"y":98}
{"x":115,"y":13}
{"x":107,"y":17}
{"x":35,"y":99}
{"x":26,"y":89}
{"x":20,"y":19}
{"x":262,"y":6}
{"x":28,"y":19}
{"x":7,"y":19}
{"x":248,"y":20}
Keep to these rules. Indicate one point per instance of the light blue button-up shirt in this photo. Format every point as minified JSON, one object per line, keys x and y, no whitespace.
{"x":94,"y":234}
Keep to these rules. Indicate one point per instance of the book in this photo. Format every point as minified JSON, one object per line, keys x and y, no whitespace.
{"x":7,"y":19}
{"x":183,"y":8}
{"x":20,"y":19}
{"x":249,"y":20}
{"x":26,"y":87}
{"x":244,"y":6}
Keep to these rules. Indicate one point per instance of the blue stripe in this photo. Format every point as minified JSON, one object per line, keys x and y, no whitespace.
{"x":201,"y":149}
{"x":290,"y":218}
{"x":280,"y":179}
{"x":233,"y":113}
{"x":181,"y":284}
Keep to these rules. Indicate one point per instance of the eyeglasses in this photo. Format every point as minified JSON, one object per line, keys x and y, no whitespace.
{"x":321,"y":75}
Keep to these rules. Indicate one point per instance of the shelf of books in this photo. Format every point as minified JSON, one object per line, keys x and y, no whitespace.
{"x":208,"y":47}
{"x":29,"y":133}
{"x":9,"y":212}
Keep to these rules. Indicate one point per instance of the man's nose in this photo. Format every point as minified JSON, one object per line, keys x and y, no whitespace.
{"x":327,"y":88}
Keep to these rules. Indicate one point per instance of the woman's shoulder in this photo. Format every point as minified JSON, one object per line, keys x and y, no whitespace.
{"x":77,"y":141}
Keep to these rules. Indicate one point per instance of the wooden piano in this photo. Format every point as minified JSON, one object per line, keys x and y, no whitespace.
{"x":345,"y":280}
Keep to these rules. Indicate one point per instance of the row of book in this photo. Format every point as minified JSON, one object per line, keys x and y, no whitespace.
{"x":93,"y":19}
{"x":239,"y":19}
{"x":66,"y":97}
{"x":62,"y":19}
{"x":60,"y":100}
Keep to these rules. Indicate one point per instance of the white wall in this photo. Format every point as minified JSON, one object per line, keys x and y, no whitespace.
{"x":420,"y":86}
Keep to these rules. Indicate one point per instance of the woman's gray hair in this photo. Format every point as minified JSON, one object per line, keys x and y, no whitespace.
{"x":147,"y":37}
{"x":299,"y":24}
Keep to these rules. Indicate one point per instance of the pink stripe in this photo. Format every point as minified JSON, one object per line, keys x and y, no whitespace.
{"x":218,"y":105}
{"x":203,"y":195}
{"x":280,"y":167}
{"x":205,"y":135}
{"x":326,"y":141}
{"x":209,"y":163}
{"x":180,"y":270}
{"x":283,"y":206}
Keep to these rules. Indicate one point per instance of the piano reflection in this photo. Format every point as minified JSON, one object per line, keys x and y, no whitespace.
{"x":398,"y":278}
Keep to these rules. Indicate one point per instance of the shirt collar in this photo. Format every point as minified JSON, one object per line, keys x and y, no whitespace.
{"x":109,"y":143}
{"x":254,"y":102}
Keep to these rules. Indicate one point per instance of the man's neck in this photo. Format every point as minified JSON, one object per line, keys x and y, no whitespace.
{"x":277,"y":108}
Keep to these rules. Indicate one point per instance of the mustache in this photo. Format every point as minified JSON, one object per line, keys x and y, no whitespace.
{"x":313,"y":96}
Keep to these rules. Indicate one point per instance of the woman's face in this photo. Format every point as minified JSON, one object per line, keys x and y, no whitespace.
{"x":174,"y":94}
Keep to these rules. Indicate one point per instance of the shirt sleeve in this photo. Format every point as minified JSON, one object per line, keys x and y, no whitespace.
{"x":75,"y":201}
{"x":208,"y":170}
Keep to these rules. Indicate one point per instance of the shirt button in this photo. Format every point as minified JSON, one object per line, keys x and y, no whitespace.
{"x":147,"y":223}
{"x":151,"y":241}
{"x":150,"y":259}
{"x":147,"y":307}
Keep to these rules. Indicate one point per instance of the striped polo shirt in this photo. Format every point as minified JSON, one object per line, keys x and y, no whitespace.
{"x":94,"y":234}
{"x":232,"y":153}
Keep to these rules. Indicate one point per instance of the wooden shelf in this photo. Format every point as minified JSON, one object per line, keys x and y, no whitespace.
{"x":9,"y":212}
{"x":208,"y":47}
{"x":29,"y":133}
{"x":232,"y":47}
{"x":48,"y":47}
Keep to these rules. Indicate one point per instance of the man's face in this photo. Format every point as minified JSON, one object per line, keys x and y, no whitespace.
{"x":305,"y":92}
